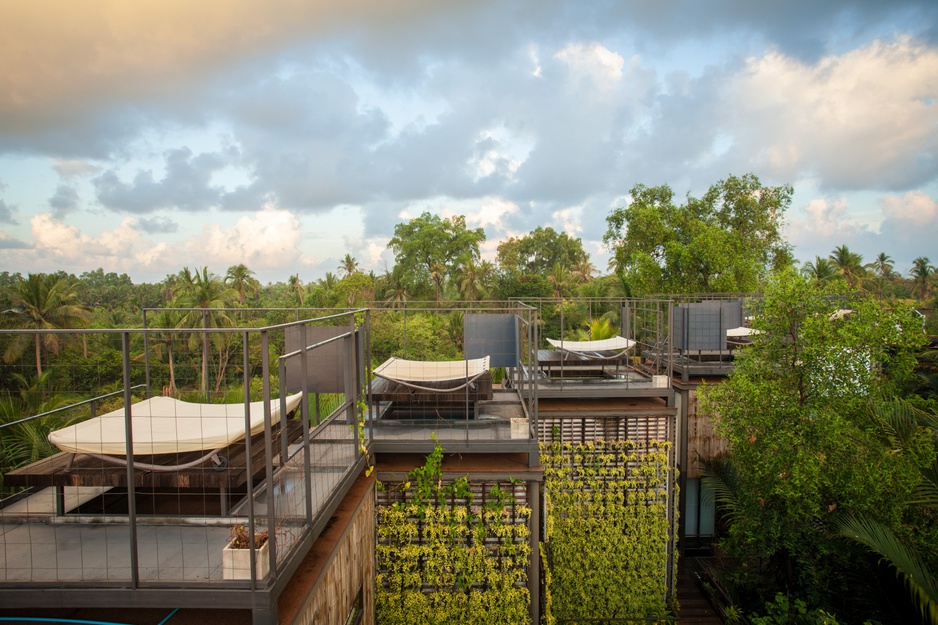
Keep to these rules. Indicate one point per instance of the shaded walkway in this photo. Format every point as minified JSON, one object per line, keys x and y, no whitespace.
{"x":695,"y":609}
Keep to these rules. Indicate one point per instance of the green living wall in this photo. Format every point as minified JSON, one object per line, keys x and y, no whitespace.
{"x":451,"y":552}
{"x":608,"y":529}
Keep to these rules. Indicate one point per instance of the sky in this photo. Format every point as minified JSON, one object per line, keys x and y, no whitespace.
{"x":147,"y":136}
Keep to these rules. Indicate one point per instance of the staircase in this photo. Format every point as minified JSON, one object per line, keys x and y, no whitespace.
{"x":695,"y":609}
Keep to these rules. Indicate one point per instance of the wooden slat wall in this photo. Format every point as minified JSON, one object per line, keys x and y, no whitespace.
{"x":352,"y":568}
{"x":703,"y":442}
{"x":584,"y":429}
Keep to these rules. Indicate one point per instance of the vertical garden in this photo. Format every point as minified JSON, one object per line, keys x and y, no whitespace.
{"x":608,"y":529}
{"x":451,"y":552}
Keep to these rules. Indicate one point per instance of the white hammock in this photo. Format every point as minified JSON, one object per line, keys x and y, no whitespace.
{"x":616,"y":344}
{"x":410,"y":372}
{"x":163,"y":425}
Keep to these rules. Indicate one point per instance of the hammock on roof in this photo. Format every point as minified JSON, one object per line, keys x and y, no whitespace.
{"x":741,"y":332}
{"x":616,"y":344}
{"x":410,"y":372}
{"x":163,"y":425}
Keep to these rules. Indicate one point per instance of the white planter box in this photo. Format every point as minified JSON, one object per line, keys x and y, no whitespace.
{"x":519,"y":428}
{"x":660,"y":381}
{"x":236,"y":563}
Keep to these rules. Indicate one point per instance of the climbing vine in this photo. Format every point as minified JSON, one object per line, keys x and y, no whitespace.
{"x":608,"y":529}
{"x":447,"y":555}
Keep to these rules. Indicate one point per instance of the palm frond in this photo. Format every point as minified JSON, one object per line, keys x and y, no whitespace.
{"x":720,"y":479}
{"x":909,"y":566}
{"x":926,"y":494}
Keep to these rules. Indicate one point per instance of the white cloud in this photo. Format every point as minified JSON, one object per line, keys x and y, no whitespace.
{"x":569,"y":219}
{"x":122,"y":248}
{"x":595,"y":61}
{"x":75,"y":168}
{"x":915,"y":208}
{"x":490,"y":213}
{"x":268,"y":239}
{"x":860,"y":119}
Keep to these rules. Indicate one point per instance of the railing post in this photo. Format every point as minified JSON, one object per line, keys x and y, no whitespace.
{"x":129,"y":450}
{"x":269,"y":460}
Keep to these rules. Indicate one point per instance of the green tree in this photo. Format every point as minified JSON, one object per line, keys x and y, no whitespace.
{"x":849,"y":264}
{"x":431,"y":249}
{"x":725,"y":241}
{"x":242,"y":280}
{"x":205,"y":293}
{"x":540,"y":250}
{"x":922,"y":274}
{"x":882,"y":267}
{"x":348,"y":266}
{"x":561,"y":280}
{"x":804,"y":442}
{"x":43,"y":302}
{"x":820,"y":271}
{"x":295,"y":289}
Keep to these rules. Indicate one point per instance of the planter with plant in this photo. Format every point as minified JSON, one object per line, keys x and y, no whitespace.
{"x":236,"y":556}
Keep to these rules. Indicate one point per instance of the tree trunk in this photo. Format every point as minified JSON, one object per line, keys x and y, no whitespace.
{"x":38,"y":356}
{"x":172,"y":371}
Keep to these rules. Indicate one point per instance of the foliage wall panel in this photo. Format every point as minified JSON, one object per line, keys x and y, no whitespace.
{"x":609,"y":528}
{"x":452,"y":551}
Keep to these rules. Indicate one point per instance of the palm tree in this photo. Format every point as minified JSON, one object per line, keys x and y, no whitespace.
{"x":597,"y":329}
{"x":204,"y":292}
{"x":349,"y":265}
{"x":849,"y":264}
{"x":821,"y":271}
{"x":242,"y":280}
{"x":883,"y":265}
{"x":329,"y":281}
{"x":486,"y":273}
{"x":167,"y":319}
{"x":44,"y":302}
{"x":584,"y":270}
{"x":560,"y":280}
{"x":438,"y":274}
{"x":470,"y":286}
{"x":922,"y":274}
{"x":296,"y":288}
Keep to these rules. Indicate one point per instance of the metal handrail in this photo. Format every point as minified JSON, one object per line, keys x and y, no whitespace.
{"x":70,"y":406}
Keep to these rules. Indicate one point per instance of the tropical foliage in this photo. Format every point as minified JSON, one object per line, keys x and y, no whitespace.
{"x":726,"y":241}
{"x":608,"y":529}
{"x":808,"y":440}
{"x":445,"y":555}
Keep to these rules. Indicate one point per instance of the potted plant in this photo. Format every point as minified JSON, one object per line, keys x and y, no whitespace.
{"x":236,"y":556}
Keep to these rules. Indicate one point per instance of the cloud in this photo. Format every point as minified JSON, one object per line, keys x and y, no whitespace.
{"x":75,"y":168}
{"x":57,"y":55}
{"x":824,"y":223}
{"x":915,"y":208}
{"x":186,"y":185}
{"x":862,"y":119}
{"x":64,"y":201}
{"x":595,"y":61}
{"x":158,"y":225}
{"x":910,"y":224}
{"x":120,"y":249}
{"x":7,"y":212}
{"x":268,"y":239}
{"x":7,"y":242}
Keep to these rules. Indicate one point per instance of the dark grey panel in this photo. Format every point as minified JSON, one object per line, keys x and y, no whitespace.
{"x":703,"y":325}
{"x":492,"y":335}
{"x":325,"y":364}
